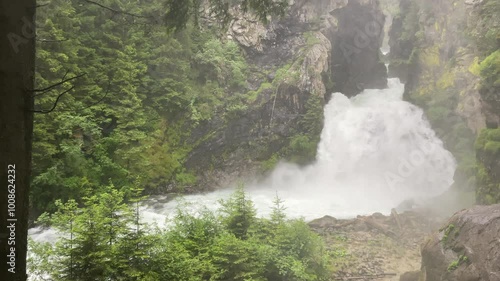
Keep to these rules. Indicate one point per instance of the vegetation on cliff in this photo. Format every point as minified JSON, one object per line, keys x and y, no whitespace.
{"x":136,"y":96}
{"x":442,"y":64}
{"x":488,"y":151}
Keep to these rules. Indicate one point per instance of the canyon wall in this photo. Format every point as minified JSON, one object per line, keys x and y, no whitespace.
{"x":447,"y":53}
{"x":297,"y":61}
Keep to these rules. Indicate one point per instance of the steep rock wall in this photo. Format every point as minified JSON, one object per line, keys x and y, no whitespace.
{"x":466,"y":248}
{"x":438,"y":49}
{"x":355,"y":60}
{"x":294,"y":68}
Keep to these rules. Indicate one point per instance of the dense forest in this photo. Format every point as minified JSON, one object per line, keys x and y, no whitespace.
{"x":121,"y":93}
{"x":134,"y":99}
{"x":133,"y":92}
{"x":105,"y":240}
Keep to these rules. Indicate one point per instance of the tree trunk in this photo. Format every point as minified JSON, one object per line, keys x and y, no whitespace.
{"x":17,"y":61}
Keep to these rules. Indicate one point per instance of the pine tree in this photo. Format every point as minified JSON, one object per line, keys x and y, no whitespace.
{"x":239,"y":213}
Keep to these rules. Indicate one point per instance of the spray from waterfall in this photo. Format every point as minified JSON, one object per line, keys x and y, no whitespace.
{"x":376,"y":151}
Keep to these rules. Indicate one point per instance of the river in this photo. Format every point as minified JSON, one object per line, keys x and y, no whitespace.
{"x":376,"y":151}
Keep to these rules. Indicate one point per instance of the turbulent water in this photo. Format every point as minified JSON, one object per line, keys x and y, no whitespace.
{"x":376,"y":151}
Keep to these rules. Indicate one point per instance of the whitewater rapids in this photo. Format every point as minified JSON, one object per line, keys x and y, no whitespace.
{"x":376,"y":151}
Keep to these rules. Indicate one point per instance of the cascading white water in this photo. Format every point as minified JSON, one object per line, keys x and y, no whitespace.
{"x":376,"y":150}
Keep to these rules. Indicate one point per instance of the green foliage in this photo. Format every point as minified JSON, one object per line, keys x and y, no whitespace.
{"x":278,"y":214}
{"x":302,"y":149}
{"x":410,"y":22}
{"x":486,"y":30}
{"x":285,"y":74}
{"x":222,"y":62}
{"x":339,"y":253}
{"x":487,"y":137}
{"x":440,"y":100}
{"x":145,"y":88}
{"x":474,"y":68}
{"x":237,"y":259}
{"x":196,"y":233}
{"x":438,"y":113}
{"x":486,"y":34}
{"x":178,"y":13}
{"x":311,"y":39}
{"x":253,"y":95}
{"x":239,"y":214}
{"x":487,"y":150}
{"x":449,"y":231}
{"x":98,"y":242}
{"x":270,"y":163}
{"x":492,"y":147}
{"x":456,"y":263}
{"x":104,"y":240}
{"x":186,"y":179}
{"x":437,"y":92}
{"x":490,"y":77}
{"x":302,"y":146}
{"x":312,"y":121}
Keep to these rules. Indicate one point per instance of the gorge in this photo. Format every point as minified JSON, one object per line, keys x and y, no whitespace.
{"x":361,"y":143}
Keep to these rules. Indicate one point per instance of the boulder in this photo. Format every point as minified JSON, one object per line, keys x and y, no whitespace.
{"x":467,"y":248}
{"x":410,"y":276}
{"x":324,"y":222}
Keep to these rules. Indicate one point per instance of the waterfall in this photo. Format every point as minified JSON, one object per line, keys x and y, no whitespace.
{"x":376,"y":151}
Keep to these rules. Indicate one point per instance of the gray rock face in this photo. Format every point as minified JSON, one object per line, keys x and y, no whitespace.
{"x":473,"y":2}
{"x":432,"y":52}
{"x":424,"y":38}
{"x":356,"y":64}
{"x":295,"y":57}
{"x":467,"y":248}
{"x":410,"y":276}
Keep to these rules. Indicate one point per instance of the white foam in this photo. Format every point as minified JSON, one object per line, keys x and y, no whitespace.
{"x":376,"y":150}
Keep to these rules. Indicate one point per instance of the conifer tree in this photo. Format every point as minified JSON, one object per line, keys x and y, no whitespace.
{"x":239,"y":213}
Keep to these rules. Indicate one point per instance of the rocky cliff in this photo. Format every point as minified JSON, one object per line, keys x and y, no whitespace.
{"x":466,"y":248}
{"x":296,"y":62}
{"x":448,"y":54}
{"x":445,"y":52}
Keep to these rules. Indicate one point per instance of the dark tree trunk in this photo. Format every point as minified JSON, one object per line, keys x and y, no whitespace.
{"x":17,"y":61}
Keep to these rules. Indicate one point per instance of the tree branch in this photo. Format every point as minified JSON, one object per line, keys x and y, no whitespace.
{"x":50,"y":41}
{"x":44,"y":90}
{"x":95,"y":103}
{"x":115,"y":11}
{"x":55,"y":103}
{"x":64,"y":77}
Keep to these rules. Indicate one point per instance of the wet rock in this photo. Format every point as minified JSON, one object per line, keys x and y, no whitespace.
{"x":298,"y":56}
{"x":356,"y":62}
{"x":410,"y":276}
{"x":324,"y":222}
{"x":467,"y":248}
{"x":373,"y":251}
